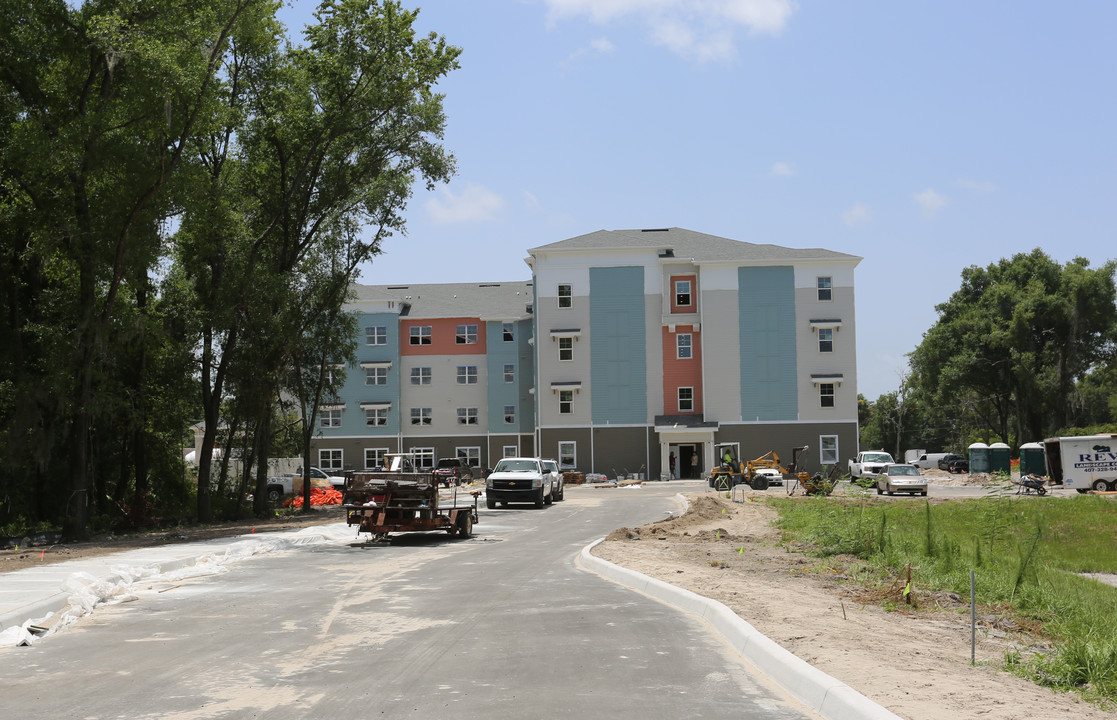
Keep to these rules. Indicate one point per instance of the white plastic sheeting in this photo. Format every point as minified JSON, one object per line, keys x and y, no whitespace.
{"x":125,"y":582}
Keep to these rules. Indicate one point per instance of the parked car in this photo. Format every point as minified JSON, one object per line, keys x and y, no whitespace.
{"x":959,"y":465}
{"x":452,"y":471}
{"x":519,"y":480}
{"x":868,"y":463}
{"x":944,"y":461}
{"x":559,"y":482}
{"x":899,"y":477}
{"x":318,"y":474}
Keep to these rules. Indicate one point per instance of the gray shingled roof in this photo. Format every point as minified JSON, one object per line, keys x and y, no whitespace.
{"x":689,"y":244}
{"x":498,"y":300}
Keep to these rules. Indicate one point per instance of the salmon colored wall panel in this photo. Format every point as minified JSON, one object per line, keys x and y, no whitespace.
{"x":693,"y":307}
{"x":679,"y":373}
{"x":443,"y":337}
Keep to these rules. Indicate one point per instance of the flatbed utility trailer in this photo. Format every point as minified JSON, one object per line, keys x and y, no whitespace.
{"x":395,"y":501}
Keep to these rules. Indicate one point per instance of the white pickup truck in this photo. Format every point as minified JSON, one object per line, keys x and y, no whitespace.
{"x":868,"y":463}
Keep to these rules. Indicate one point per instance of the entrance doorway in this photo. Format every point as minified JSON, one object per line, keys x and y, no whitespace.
{"x":689,"y":461}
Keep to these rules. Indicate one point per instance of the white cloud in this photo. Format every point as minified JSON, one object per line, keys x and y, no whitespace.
{"x":782,"y":169}
{"x":695,"y":29}
{"x":859,"y":214}
{"x":474,"y":203}
{"x":977,"y":186}
{"x":597,"y":46}
{"x":930,"y":201}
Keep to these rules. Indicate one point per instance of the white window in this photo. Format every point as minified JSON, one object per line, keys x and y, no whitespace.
{"x":509,"y":332}
{"x":376,"y":376}
{"x":566,"y":348}
{"x":420,"y":335}
{"x":686,"y":399}
{"x":424,"y":457}
{"x":509,"y":373}
{"x":330,"y":418}
{"x":374,"y":457}
{"x":330,"y":459}
{"x":684,"y":346}
{"x":510,"y":451}
{"x":682,"y":293}
{"x":510,"y":414}
{"x":471,"y":455}
{"x":826,"y":340}
{"x":420,"y":376}
{"x":566,"y":402}
{"x":825,"y":291}
{"x":376,"y":335}
{"x":565,"y":296}
{"x":467,"y":374}
{"x":467,"y":416}
{"x":568,"y":454}
{"x":828,"y":449}
{"x":466,"y":335}
{"x":826,"y":394}
{"x":376,"y":417}
{"x":420,"y":416}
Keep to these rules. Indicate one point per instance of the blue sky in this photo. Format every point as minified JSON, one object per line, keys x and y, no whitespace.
{"x":924,"y":137}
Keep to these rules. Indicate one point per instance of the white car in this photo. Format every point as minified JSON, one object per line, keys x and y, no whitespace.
{"x":559,"y":483}
{"x":519,"y":480}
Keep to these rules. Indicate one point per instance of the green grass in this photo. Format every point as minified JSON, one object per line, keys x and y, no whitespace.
{"x":1026,"y":556}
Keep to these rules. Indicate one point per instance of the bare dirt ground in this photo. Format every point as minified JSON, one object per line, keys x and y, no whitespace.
{"x":916,"y":664}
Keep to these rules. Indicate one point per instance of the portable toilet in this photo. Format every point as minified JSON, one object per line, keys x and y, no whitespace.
{"x":979,"y":457}
{"x":1033,"y":460}
{"x":999,"y":460}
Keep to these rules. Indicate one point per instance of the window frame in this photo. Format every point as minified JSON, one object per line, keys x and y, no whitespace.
{"x":378,"y":374}
{"x":380,"y":415}
{"x":689,"y":400}
{"x":824,"y":285}
{"x":571,"y":449}
{"x":417,"y":336}
{"x":328,"y":456}
{"x":688,"y":345}
{"x":566,"y":347}
{"x":509,"y":372}
{"x":509,"y":414}
{"x":465,"y":335}
{"x":508,"y":331}
{"x":424,"y":457}
{"x":377,"y":454}
{"x":468,"y":375}
{"x":421,"y":416}
{"x":329,"y":417}
{"x":470,"y":453}
{"x":825,"y":340}
{"x":468,"y":416}
{"x":827,"y":395}
{"x":508,"y":451}
{"x":376,"y":335}
{"x":823,"y":450}
{"x":419,"y":377}
{"x":566,"y":402}
{"x":565,"y":299}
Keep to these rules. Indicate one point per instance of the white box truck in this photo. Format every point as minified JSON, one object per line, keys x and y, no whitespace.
{"x":1084,"y":463}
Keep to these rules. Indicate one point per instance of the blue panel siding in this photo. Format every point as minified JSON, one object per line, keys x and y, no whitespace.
{"x":354,"y":391}
{"x":766,"y":296}
{"x":498,"y":392}
{"x":618,"y":367}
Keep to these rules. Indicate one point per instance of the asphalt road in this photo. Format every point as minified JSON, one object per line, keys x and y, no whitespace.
{"x":499,"y":626}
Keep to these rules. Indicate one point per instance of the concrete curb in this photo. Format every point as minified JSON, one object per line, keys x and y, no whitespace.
{"x":828,"y":696}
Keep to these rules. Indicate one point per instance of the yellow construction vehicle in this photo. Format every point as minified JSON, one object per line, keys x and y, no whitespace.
{"x":759,"y":473}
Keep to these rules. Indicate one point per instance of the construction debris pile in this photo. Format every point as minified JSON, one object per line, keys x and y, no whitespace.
{"x":318,"y":496}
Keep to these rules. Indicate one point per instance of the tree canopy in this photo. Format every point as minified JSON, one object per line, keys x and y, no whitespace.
{"x":185,"y":197}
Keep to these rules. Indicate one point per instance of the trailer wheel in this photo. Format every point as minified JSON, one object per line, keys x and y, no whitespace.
{"x":465,"y":525}
{"x":1099,"y":485}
